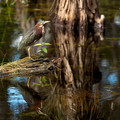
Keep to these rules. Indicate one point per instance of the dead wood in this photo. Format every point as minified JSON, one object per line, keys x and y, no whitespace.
{"x":27,"y":67}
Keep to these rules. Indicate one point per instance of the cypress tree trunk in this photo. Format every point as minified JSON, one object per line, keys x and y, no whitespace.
{"x":79,"y":67}
{"x":79,"y":14}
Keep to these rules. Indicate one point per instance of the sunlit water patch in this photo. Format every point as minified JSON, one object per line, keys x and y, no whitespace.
{"x":15,"y":54}
{"x":16,"y":57}
{"x":109,"y":82}
{"x":112,"y":78}
{"x":117,"y":19}
{"x":19,"y":79}
{"x":104,"y":63}
{"x":16,"y":102}
{"x":15,"y":43}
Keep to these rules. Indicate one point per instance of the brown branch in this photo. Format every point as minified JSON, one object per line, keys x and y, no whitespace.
{"x":25,"y":67}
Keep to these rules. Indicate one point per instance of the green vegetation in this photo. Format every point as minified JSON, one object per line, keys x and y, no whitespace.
{"x":43,"y":49}
{"x":3,"y":60}
{"x":43,"y":80}
{"x":11,"y":4}
{"x":8,"y":27}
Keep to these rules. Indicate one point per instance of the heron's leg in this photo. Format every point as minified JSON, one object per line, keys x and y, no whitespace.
{"x":28,"y":83}
{"x":30,"y":54}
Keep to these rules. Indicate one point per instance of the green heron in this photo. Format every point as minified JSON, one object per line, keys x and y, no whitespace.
{"x":32,"y":36}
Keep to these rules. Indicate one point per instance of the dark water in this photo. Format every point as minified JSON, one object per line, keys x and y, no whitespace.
{"x":94,"y":66}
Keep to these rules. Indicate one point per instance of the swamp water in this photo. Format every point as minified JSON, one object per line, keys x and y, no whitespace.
{"x":92,"y":61}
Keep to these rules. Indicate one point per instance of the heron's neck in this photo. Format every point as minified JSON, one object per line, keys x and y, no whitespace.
{"x":39,"y":28}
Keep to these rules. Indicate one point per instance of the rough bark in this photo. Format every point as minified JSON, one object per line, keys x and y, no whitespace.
{"x":26,"y":67}
{"x":79,"y":14}
{"x":78,"y":58}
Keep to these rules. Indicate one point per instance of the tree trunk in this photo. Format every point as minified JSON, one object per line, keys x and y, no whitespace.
{"x":78,"y":58}
{"x":79,"y":14}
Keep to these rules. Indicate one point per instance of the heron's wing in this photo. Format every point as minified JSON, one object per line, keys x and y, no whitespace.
{"x":27,"y":39}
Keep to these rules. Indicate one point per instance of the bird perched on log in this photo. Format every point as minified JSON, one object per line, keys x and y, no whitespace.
{"x":33,"y":35}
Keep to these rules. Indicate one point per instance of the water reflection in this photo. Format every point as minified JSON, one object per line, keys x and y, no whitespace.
{"x":19,"y":79}
{"x":104,"y":63}
{"x":14,"y":53}
{"x":15,"y":43}
{"x":16,"y":56}
{"x":119,"y":42}
{"x":60,"y":103}
{"x":109,"y":76}
{"x":112,"y":78}
{"x":117,"y":20}
{"x":16,"y":102}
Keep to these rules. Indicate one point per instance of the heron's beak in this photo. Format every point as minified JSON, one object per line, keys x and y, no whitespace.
{"x":46,"y":22}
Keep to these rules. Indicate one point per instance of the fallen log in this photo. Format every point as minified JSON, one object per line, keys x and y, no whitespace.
{"x":26,"y":67}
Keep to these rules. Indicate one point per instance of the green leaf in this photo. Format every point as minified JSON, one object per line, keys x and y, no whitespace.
{"x":43,"y":43}
{"x":46,"y":44}
{"x":37,"y":84}
{"x":39,"y":44}
{"x":43,"y":79}
{"x":44,"y":49}
{"x":42,"y":85}
{"x":41,"y":54}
